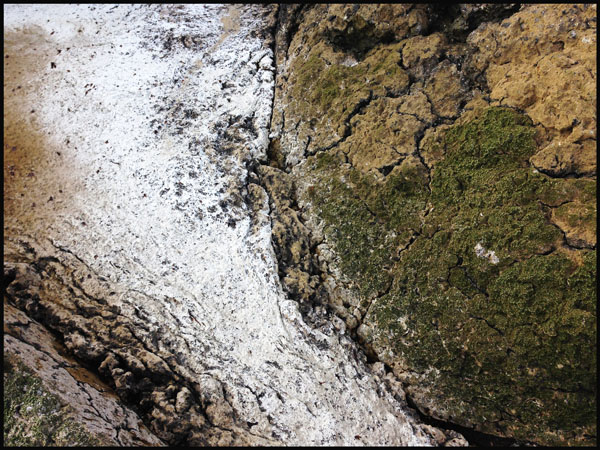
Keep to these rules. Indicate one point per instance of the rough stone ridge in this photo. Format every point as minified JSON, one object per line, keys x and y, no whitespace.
{"x":62,"y":403}
{"x":426,"y":189}
{"x":542,"y":61}
{"x":123,"y":352}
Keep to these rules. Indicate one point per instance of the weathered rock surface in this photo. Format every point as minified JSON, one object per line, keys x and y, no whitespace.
{"x":136,"y":234}
{"x":61,"y":403}
{"x":448,"y":183}
{"x":542,"y":61}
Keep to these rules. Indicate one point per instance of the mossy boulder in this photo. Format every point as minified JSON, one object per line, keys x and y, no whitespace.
{"x":368,"y":220}
{"x":473,"y":293}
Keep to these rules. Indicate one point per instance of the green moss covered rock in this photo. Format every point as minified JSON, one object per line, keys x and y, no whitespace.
{"x":327,"y":91}
{"x":475,"y":295}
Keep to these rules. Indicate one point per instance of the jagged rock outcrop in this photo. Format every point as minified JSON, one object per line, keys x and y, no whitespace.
{"x":443,"y":160}
{"x":542,"y":61}
{"x":428,"y":189}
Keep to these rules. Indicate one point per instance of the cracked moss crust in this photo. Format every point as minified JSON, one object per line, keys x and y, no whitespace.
{"x":369,"y":221}
{"x":336,"y":86}
{"x":35,"y":417}
{"x":327,"y":88}
{"x":507,"y":341}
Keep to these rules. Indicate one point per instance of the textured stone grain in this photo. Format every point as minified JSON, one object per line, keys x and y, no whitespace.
{"x":134,"y":231}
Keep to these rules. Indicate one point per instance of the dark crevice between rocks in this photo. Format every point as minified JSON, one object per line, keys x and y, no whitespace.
{"x":474,"y":437}
{"x":563,"y":173}
{"x":289,"y":14}
{"x":358,"y":109}
{"x":385,"y":170}
{"x":570,"y":243}
{"x":370,"y":354}
{"x":8,"y":276}
{"x":411,"y":240}
{"x":358,"y":38}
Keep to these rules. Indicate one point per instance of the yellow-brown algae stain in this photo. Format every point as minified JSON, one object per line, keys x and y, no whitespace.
{"x":37,"y":174}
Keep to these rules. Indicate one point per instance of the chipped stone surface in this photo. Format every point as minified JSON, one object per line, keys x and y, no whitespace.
{"x":133,"y":230}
